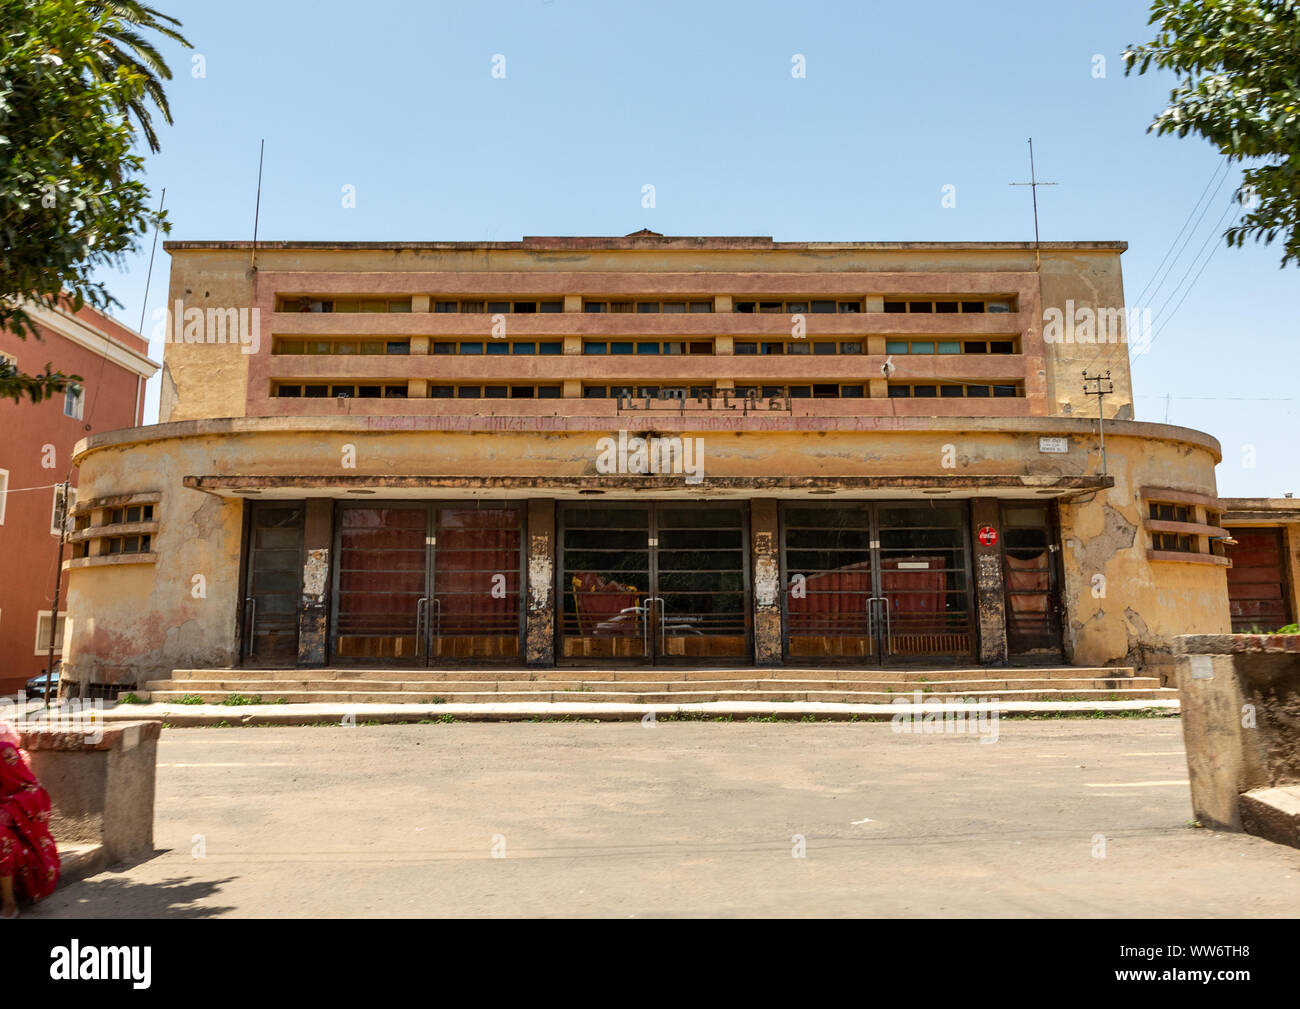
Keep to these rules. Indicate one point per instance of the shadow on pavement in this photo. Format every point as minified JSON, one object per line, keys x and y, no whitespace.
{"x":110,"y":895}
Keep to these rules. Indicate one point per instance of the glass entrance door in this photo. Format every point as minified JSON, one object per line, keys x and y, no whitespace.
{"x":654,"y":583}
{"x":876,"y":582}
{"x":420,"y":582}
{"x":274,"y":576}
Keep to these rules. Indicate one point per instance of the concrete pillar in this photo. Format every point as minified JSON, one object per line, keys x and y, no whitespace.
{"x":421,"y":303}
{"x":990,"y":598}
{"x":722,"y":303}
{"x":765,"y":563}
{"x":573,"y":302}
{"x":313,"y":608}
{"x":101,"y":782}
{"x":539,"y":608}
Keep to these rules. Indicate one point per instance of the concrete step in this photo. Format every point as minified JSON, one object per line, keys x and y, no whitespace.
{"x":278,"y":686}
{"x":365,"y":696}
{"x":660,"y":674}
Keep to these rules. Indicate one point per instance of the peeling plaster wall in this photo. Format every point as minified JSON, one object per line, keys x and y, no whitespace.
{"x":1123,"y":609}
{"x":137,"y":622}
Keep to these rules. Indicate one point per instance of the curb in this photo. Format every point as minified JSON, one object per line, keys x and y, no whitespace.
{"x":185,"y":716}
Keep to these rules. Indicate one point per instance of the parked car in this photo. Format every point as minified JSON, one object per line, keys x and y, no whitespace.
{"x":36,"y":685}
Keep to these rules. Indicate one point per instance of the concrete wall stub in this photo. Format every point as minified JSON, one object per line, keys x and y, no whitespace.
{"x":313,"y":609}
{"x":539,"y":611}
{"x":101,"y":785}
{"x":990,"y":598}
{"x":764,"y":539}
{"x":1240,"y":697}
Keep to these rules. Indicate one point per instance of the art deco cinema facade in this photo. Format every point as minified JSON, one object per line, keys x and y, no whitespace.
{"x":639,"y":450}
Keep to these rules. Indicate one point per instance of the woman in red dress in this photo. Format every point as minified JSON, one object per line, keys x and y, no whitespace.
{"x":29,"y":862}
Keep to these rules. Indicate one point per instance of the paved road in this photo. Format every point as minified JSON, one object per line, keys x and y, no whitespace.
{"x":684,"y":819}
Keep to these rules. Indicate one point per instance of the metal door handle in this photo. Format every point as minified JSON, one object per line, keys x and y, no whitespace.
{"x":646,"y":621}
{"x":251,"y":621}
{"x":421,"y":639}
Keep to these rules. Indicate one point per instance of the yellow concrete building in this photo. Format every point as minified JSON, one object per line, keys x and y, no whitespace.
{"x":640,"y":451}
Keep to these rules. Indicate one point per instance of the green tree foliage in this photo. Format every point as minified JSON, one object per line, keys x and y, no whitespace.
{"x":76,"y":82}
{"x":1238,"y":68}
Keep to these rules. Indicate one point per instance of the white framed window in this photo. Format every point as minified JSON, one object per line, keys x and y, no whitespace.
{"x":61,"y":511}
{"x":4,"y":493}
{"x":74,"y":399}
{"x":43,"y":633}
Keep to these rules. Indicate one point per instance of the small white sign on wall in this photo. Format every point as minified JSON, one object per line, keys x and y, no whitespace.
{"x":1202,"y":667}
{"x":1058,"y":445}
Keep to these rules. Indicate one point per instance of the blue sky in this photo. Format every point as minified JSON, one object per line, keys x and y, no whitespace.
{"x":698,"y":99}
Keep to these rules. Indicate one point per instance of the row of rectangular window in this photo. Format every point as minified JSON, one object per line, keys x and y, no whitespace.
{"x":494,"y":392}
{"x":801,"y":307}
{"x":111,"y":545}
{"x":479,"y":306}
{"x":292,"y":347}
{"x":364,"y":347}
{"x":648,"y":307}
{"x":322,"y":391}
{"x":497,"y":347}
{"x":348,"y":306}
{"x":953,"y":390}
{"x":950,"y":346}
{"x":1167,"y":512}
{"x":651,"y":347}
{"x":498,"y":307}
{"x":317,"y":391}
{"x":929,"y":306}
{"x":117,"y":516}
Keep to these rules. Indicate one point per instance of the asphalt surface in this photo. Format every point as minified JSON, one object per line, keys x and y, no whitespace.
{"x":685,"y":819}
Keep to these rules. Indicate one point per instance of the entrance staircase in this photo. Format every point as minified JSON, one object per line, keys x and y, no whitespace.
{"x":651,"y":685}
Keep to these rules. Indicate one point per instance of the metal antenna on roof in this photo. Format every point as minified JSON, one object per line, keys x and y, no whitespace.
{"x":1033,"y":185}
{"x":257,"y":209}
